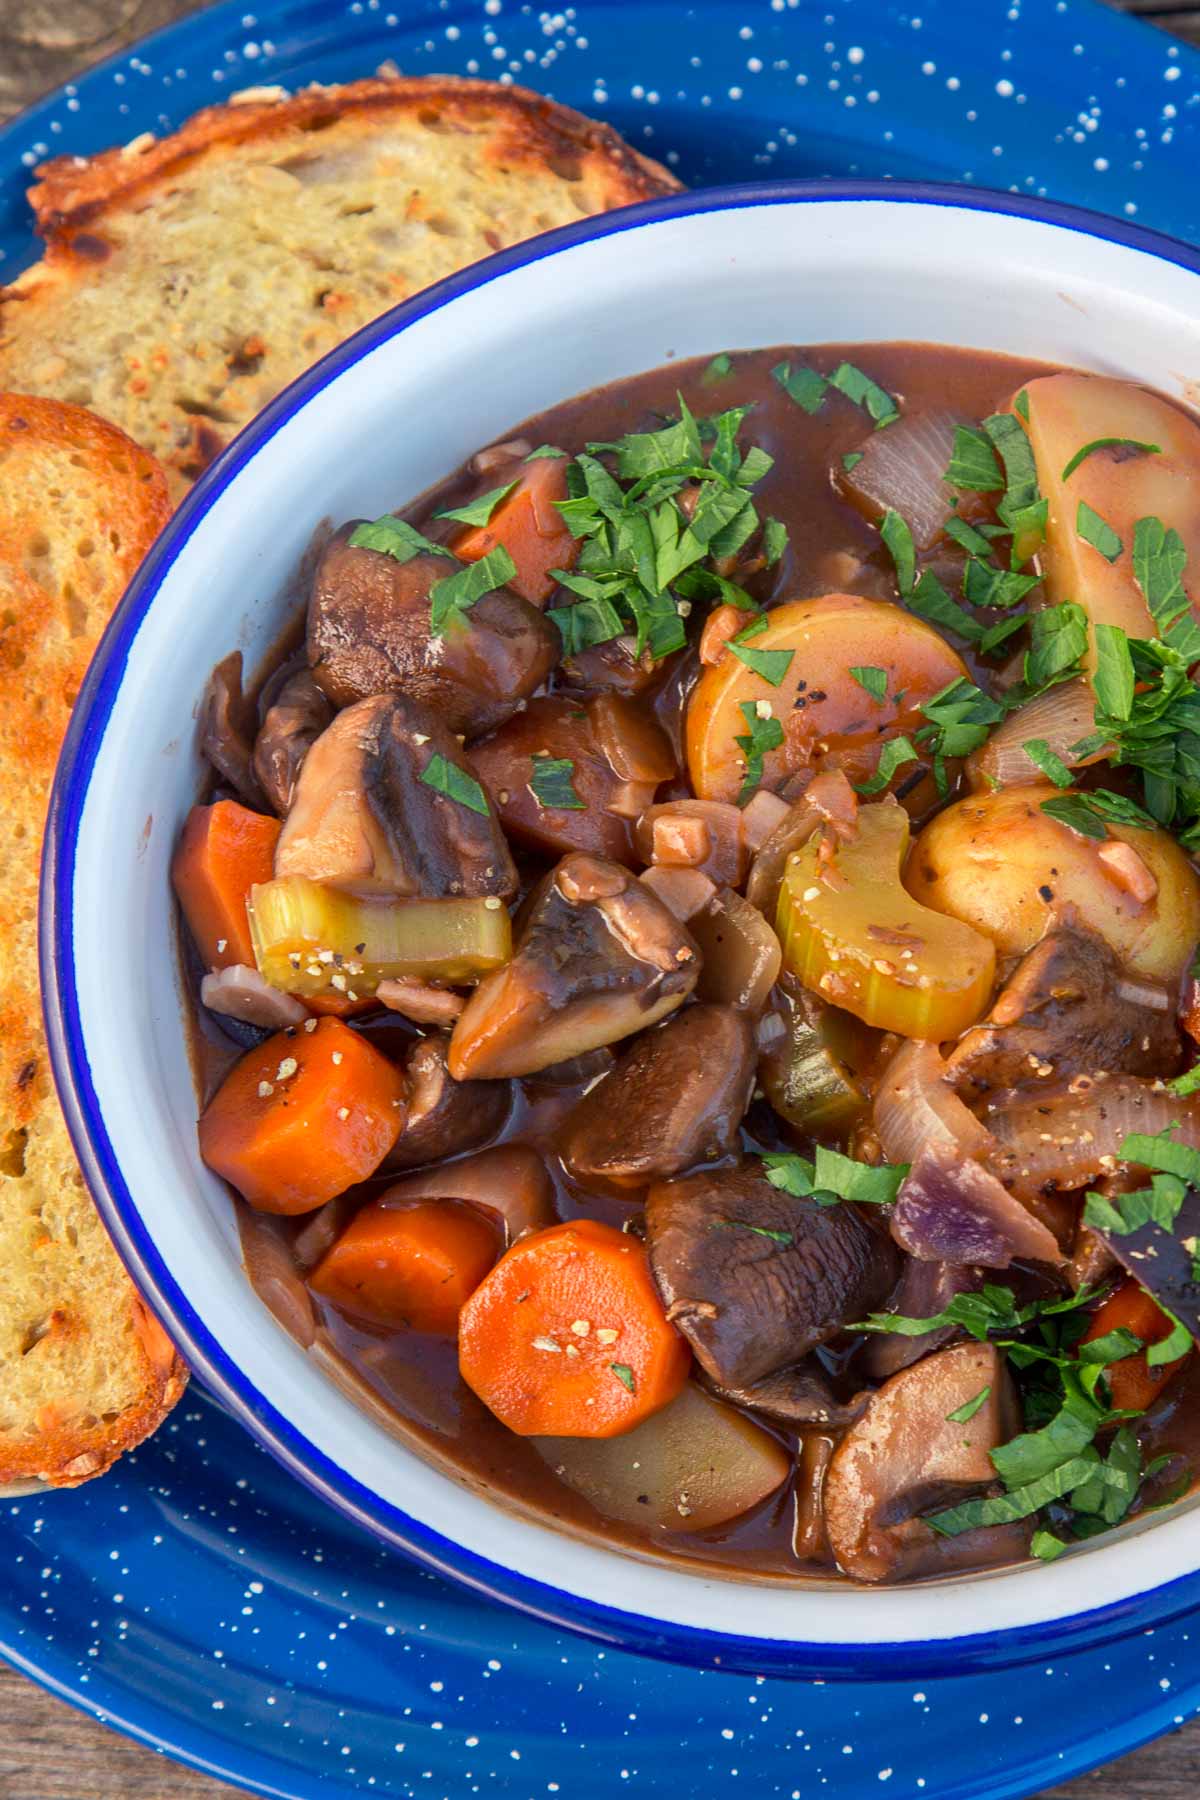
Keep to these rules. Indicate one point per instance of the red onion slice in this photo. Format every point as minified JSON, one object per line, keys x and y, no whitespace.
{"x":952,"y":1210}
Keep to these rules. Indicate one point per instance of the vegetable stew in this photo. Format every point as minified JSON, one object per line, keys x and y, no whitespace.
{"x":694,"y":940}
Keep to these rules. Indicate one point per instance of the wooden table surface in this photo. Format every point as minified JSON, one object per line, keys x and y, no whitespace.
{"x":48,"y":1751}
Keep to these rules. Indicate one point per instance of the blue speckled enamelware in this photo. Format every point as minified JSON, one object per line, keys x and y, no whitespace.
{"x":198,"y":1596}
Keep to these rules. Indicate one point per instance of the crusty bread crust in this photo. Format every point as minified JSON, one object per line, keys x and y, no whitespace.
{"x":186,"y":281}
{"x":85,"y":1371}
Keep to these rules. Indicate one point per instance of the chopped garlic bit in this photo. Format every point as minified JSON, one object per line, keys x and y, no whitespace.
{"x":581,"y":1327}
{"x":337,"y":1056}
{"x":606,"y":1334}
{"x":286,"y":1069}
{"x":343,"y":1112}
{"x":492,"y":903}
{"x":763,"y":708}
{"x":265,"y":1088}
{"x":546,"y":1343}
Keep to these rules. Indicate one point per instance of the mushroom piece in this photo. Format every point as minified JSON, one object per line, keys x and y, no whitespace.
{"x":1165,"y":1261}
{"x":1068,"y":1010}
{"x":370,"y":632}
{"x":445,"y":1117}
{"x":226,"y":729}
{"x":908,"y":1455}
{"x":597,"y":958}
{"x":800,"y":1395}
{"x":676,"y":1098}
{"x":365,"y":817}
{"x":924,"y":1290}
{"x":241,"y":993}
{"x":754,"y":1277}
{"x":293,"y":723}
{"x":509,"y":1183}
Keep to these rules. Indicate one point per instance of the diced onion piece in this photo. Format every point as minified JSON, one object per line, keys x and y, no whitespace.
{"x":691,"y":1467}
{"x":420,"y":1000}
{"x":917,"y":1110}
{"x":313,"y":939}
{"x":761,"y":816}
{"x":683,"y":891}
{"x":852,"y":934}
{"x":636,"y":747}
{"x":1061,"y":718}
{"x":741,"y":954}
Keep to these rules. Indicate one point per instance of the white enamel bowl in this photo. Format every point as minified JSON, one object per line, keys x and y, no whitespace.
{"x":397,"y":407}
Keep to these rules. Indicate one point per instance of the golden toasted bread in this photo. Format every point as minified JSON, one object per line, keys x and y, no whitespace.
{"x":85,"y":1371}
{"x":186,"y":281}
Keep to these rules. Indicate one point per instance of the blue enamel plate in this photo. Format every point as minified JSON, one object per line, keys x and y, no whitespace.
{"x":199,"y":1597}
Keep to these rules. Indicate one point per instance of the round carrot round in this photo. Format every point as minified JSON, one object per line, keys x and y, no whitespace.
{"x":303,"y":1117}
{"x":1132,"y":1383}
{"x":567,"y":1336}
{"x":411,"y":1265}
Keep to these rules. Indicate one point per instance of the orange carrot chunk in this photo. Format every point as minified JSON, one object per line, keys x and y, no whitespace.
{"x":1132,"y":1382}
{"x":530,"y":527}
{"x":303,"y":1117}
{"x":224,"y":850}
{"x":567,"y":1336}
{"x":413,"y":1265}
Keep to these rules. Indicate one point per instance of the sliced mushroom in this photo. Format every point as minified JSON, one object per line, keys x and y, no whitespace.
{"x":445,"y":1117}
{"x":513,"y":764}
{"x":597,"y":958}
{"x":756,"y":1278}
{"x":924,"y":1290}
{"x":676,"y":1098}
{"x":800,"y":1395}
{"x":293,"y":723}
{"x":509,"y":1183}
{"x":363,"y":817}
{"x":424,"y":1002}
{"x":907,"y":1455}
{"x":241,"y":993}
{"x":1067,"y":1010}
{"x":951,"y":1209}
{"x":369,"y":632}
{"x":226,"y":728}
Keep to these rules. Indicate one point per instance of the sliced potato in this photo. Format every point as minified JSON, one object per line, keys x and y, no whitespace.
{"x":1068,"y":411}
{"x":829,"y":719}
{"x":696,"y":1464}
{"x":999,"y":863}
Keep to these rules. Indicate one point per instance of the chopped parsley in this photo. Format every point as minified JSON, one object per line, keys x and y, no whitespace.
{"x":551,"y":784}
{"x":447,"y":778}
{"x":831,"y":1177}
{"x":763,"y":1231}
{"x":718,"y":369}
{"x":760,"y":736}
{"x":772,"y":665}
{"x":1097,"y":532}
{"x":395,"y":538}
{"x":896,"y":753}
{"x":1046,"y":1547}
{"x":1058,"y":640}
{"x":930,"y":601}
{"x":451,"y":600}
{"x":624,"y":1375}
{"x":801,"y":384}
{"x":973,"y":464}
{"x":986,"y":585}
{"x":1108,"y":443}
{"x":959,"y":719}
{"x":969,"y":1408}
{"x":774,"y":541}
{"x":478,"y":512}
{"x":873,"y":679}
{"x":543,"y":451}
{"x":895,"y":532}
{"x":588,"y":623}
{"x":808,"y":389}
{"x":637,"y":539}
{"x":1043,"y":757}
{"x":966,"y":536}
{"x":851,"y":460}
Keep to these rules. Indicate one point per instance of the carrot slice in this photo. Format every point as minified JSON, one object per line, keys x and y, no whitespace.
{"x":224,"y":850}
{"x":303,"y":1117}
{"x":530,"y":528}
{"x":1132,"y":1382}
{"x":414,"y":1264}
{"x":567,"y":1336}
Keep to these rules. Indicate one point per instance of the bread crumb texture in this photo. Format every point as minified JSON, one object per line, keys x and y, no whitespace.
{"x":187,"y":280}
{"x":85,"y":1371}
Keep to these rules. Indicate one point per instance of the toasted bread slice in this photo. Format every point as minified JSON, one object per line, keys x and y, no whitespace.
{"x":186,"y":281}
{"x":85,"y":1371}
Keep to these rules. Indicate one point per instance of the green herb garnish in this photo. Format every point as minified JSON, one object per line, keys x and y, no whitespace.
{"x":896,"y":753}
{"x":760,"y":736}
{"x":544,"y":451}
{"x":625,"y":1376}
{"x":801,"y":384}
{"x":851,"y":459}
{"x":395,"y":538}
{"x":1043,"y":757}
{"x":864,"y":392}
{"x":478,"y":512}
{"x":551,"y":784}
{"x":874,"y":680}
{"x":896,"y":534}
{"x":1097,"y":532}
{"x":452,"y":599}
{"x":717,"y":369}
{"x":764,"y":1231}
{"x":772,"y":665}
{"x":774,"y":541}
{"x":588,"y":623}
{"x":969,"y":1408}
{"x":447,"y":778}
{"x":1108,"y":443}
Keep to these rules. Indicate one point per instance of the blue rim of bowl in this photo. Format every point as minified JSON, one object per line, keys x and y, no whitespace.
{"x":605,"y":1624}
